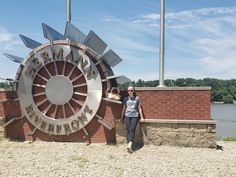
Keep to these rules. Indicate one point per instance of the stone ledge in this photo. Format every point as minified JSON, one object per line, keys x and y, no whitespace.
{"x":175,"y":121}
{"x":2,"y":118}
{"x":6,"y":89}
{"x":188,"y":133}
{"x":8,"y":100}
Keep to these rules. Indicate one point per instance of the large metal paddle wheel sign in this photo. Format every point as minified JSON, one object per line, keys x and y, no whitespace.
{"x":61,"y":84}
{"x":60,"y":88}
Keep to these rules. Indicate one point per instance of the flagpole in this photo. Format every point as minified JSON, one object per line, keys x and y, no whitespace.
{"x":68,"y":11}
{"x":162,"y":43}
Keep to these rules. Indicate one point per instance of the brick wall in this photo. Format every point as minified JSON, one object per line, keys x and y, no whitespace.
{"x":20,"y":129}
{"x":176,"y":103}
{"x":7,"y":94}
{"x":157,"y":103}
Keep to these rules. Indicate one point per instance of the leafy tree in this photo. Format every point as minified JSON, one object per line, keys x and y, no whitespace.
{"x":221,"y":90}
{"x":140,"y":83}
{"x":228,"y":99}
{"x":169,"y":83}
{"x":5,"y":84}
{"x":180,"y":82}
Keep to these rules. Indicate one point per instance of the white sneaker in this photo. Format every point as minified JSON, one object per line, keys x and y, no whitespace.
{"x":129,"y":147}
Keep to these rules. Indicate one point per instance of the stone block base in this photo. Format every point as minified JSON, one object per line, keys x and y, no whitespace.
{"x":188,"y":133}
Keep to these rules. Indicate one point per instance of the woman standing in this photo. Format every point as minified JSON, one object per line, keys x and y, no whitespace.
{"x":131,"y":112}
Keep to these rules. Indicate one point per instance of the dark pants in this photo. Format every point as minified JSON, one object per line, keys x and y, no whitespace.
{"x":130,"y":125}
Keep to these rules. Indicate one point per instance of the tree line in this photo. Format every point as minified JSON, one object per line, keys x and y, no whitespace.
{"x":221,"y":90}
{"x":5,"y":85}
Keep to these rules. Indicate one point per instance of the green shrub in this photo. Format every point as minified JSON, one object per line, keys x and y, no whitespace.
{"x":230,"y":139}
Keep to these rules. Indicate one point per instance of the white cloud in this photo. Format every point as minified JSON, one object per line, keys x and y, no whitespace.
{"x":5,"y":36}
{"x":130,"y":44}
{"x":191,"y":13}
{"x":220,"y":56}
{"x":152,"y":16}
{"x":206,"y":35}
{"x":130,"y":40}
{"x":199,"y":43}
{"x":9,"y":41}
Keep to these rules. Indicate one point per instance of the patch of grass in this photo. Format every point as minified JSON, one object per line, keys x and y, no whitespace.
{"x":230,"y":139}
{"x":17,"y":139}
{"x":55,"y":158}
{"x":113,"y":144}
{"x":112,"y":157}
{"x":10,"y":157}
{"x":82,"y":160}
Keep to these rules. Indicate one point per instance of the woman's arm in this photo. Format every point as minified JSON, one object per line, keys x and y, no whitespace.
{"x":122,"y":113}
{"x":140,"y":113}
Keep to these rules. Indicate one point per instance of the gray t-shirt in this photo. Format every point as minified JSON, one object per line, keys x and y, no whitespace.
{"x":132,"y":104}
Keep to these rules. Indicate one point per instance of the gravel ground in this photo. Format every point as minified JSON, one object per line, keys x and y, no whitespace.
{"x":46,"y":159}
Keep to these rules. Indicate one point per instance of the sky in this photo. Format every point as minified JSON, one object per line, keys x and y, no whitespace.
{"x":200,"y":35}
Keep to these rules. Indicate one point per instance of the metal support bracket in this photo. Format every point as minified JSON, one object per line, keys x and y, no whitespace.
{"x":104,"y":122}
{"x":11,"y":121}
{"x":32,"y":132}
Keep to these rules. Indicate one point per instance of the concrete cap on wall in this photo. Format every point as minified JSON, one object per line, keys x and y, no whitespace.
{"x":172,"y":88}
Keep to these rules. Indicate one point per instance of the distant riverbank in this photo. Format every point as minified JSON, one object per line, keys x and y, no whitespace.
{"x":221,"y":102}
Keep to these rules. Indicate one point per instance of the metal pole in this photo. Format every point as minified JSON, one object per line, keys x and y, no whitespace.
{"x":68,"y":11}
{"x":162,"y":43}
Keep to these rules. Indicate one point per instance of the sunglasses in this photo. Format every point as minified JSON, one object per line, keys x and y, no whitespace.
{"x":130,"y":90}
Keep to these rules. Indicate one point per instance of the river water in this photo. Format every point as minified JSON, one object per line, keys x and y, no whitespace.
{"x":225,"y":115}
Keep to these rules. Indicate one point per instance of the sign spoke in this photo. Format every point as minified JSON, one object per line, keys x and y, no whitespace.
{"x":81,"y":94}
{"x":79,"y":103}
{"x":47,"y":109}
{"x":63,"y":111}
{"x":55,"y":112}
{"x":77,"y":77}
{"x":42,"y":77}
{"x":50,"y":75}
{"x":80,"y":85}
{"x":71,"y":108}
{"x":42,"y":102}
{"x":64,"y":68}
{"x":56,"y":69}
{"x":38,"y":85}
{"x":39,"y":94}
{"x":70,"y":73}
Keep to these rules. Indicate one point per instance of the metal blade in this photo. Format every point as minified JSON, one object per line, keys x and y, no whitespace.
{"x":122,"y":79}
{"x":30,"y":43}
{"x":94,"y":42}
{"x":6,"y":79}
{"x":13,"y":57}
{"x":73,"y":33}
{"x":51,"y":34}
{"x":110,"y":77}
{"x":111,"y":58}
